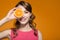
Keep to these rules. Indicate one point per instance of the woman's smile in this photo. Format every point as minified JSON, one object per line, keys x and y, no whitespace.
{"x":22,"y":19}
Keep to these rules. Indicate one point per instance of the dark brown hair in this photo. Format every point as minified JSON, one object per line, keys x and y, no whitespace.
{"x":28,"y":7}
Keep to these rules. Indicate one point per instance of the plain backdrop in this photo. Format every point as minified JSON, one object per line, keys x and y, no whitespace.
{"x":47,"y":14}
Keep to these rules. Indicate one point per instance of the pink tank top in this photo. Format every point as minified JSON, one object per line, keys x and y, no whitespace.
{"x":24,"y":35}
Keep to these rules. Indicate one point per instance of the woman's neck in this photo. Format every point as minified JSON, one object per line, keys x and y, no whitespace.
{"x":25,"y":27}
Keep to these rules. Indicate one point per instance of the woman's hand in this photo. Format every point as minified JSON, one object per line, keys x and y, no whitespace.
{"x":10,"y":14}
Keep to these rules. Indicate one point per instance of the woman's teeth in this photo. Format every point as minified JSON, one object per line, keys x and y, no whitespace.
{"x":22,"y":19}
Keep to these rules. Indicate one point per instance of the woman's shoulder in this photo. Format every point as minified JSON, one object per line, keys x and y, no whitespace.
{"x":10,"y":30}
{"x":39,"y":32}
{"x":7,"y":31}
{"x":39,"y":35}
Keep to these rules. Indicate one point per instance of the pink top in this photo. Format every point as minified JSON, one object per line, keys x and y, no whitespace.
{"x":24,"y":35}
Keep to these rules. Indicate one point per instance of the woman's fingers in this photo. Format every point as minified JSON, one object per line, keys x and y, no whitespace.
{"x":10,"y":14}
{"x":12,"y":10}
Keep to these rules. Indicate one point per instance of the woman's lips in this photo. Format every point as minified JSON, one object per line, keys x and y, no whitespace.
{"x":22,"y":19}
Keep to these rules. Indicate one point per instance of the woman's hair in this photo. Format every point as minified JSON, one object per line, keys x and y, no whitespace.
{"x":28,"y":7}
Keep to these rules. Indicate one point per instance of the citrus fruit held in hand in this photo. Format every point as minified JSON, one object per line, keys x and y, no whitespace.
{"x":18,"y":13}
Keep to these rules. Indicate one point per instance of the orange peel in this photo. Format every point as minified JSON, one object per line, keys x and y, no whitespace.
{"x":18,"y":13}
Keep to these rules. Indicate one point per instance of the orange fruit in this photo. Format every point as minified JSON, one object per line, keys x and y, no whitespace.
{"x":18,"y":13}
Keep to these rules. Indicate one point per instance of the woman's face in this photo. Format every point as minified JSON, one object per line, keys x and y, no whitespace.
{"x":26,"y":16}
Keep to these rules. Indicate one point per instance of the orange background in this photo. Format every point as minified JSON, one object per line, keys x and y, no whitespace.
{"x":47,"y":14}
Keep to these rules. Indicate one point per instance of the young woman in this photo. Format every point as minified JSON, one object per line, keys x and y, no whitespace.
{"x":24,"y":30}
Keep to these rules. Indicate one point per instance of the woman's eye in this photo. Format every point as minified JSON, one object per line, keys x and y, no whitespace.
{"x":26,"y":12}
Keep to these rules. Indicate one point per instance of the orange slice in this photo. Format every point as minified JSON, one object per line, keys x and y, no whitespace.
{"x":18,"y":13}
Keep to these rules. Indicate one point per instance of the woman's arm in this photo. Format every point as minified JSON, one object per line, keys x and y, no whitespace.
{"x":5,"y":33}
{"x":9,"y":16}
{"x":3,"y":20}
{"x":39,"y":35}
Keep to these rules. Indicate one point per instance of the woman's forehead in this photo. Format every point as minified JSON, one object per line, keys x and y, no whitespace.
{"x":21,"y":7}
